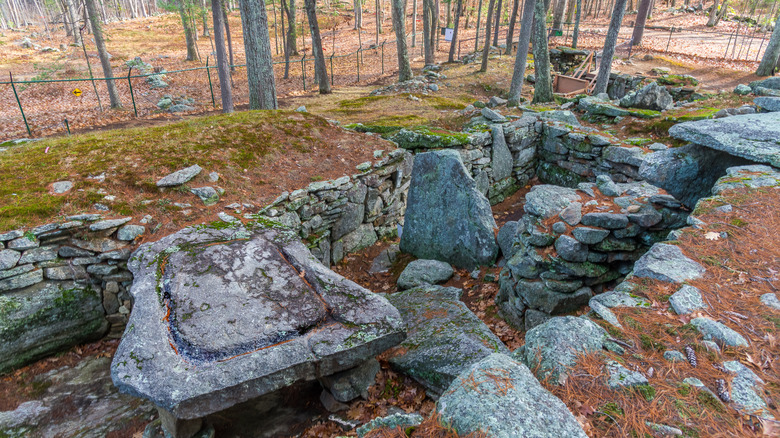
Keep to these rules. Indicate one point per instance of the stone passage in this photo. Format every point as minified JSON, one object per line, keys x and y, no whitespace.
{"x":226,"y":315}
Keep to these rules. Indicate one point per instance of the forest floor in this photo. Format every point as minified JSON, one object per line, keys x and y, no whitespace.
{"x":159,"y":41}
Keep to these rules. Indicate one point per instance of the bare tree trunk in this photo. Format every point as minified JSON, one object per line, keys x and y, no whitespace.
{"x":454,"y":41}
{"x":518,"y":75}
{"x":576,"y":34}
{"x":560,"y":9}
{"x":291,"y":32}
{"x":486,"y":49}
{"x":74,"y":22}
{"x":511,"y":31}
{"x":257,"y":45}
{"x":398,"y":14}
{"x":641,"y":19}
{"x":414,"y":23}
{"x":229,"y":38}
{"x":284,"y":43}
{"x":497,"y":19}
{"x":602,"y":80}
{"x":316,"y":47}
{"x":428,"y":35}
{"x":223,"y":69}
{"x":358,"y":5}
{"x":713,"y":14}
{"x":377,"y":16}
{"x":192,"y":51}
{"x":543,"y":85}
{"x":772,"y":54}
{"x":105,"y":62}
{"x":479,"y":18}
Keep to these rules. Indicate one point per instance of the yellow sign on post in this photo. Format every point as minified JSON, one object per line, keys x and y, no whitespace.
{"x":76,"y":92}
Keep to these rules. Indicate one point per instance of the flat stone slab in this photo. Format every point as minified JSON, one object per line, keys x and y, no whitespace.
{"x":667,"y":263}
{"x":224,"y":315}
{"x":755,"y":137}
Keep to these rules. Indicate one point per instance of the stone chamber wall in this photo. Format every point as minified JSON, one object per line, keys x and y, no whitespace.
{"x":66,"y":283}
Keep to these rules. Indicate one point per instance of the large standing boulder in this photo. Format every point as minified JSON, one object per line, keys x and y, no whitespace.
{"x":502,"y":397}
{"x":751,"y":136}
{"x":45,"y":318}
{"x":653,"y":97}
{"x":225,"y":315}
{"x":447,"y":218}
{"x":444,"y":337}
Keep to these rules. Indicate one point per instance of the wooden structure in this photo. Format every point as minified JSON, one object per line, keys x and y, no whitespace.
{"x":582,"y":81}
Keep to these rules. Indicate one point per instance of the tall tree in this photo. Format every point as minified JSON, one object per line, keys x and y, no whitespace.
{"x":105,"y":61}
{"x":257,"y":46}
{"x":414,"y":23}
{"x":770,"y":60}
{"x":223,"y":68}
{"x":602,"y":80}
{"x":292,"y":34}
{"x":576,"y":34}
{"x":560,"y":9}
{"x":398,"y":14}
{"x":321,"y":72}
{"x":518,"y":75}
{"x":428,"y":36}
{"x":229,"y":38}
{"x":713,"y":14}
{"x":358,"y":5}
{"x":497,"y":18}
{"x":189,"y":31}
{"x":641,"y":19}
{"x":74,"y":22}
{"x":454,"y":41}
{"x":543,"y":85}
{"x":479,"y":18}
{"x":486,"y":49}
{"x":511,"y":31}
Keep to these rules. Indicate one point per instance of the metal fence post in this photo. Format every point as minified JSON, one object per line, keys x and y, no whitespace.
{"x":671,"y":29}
{"x":130,"y":83}
{"x":19,"y":102}
{"x":303,"y":71}
{"x":67,"y":126}
{"x":211,"y":87}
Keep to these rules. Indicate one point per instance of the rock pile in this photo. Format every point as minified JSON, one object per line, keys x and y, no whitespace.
{"x":570,"y":243}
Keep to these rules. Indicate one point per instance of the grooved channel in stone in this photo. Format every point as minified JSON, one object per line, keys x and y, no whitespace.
{"x":235,"y":299}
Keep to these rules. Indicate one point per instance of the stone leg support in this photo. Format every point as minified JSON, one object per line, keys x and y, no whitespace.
{"x":177,"y":427}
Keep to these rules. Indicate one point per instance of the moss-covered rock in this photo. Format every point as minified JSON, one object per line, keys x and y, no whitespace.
{"x":426,"y":138}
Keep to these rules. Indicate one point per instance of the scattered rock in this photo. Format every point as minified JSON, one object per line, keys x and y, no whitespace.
{"x":301,"y":109}
{"x":384,"y":261}
{"x":495,"y":101}
{"x":620,"y":377}
{"x":130,"y":232}
{"x":652,"y":97}
{"x":674,"y":356}
{"x":208,"y":195}
{"x":768,"y":104}
{"x":721,"y":334}
{"x":686,"y":300}
{"x":769,"y":299}
{"x":391,"y":422}
{"x":61,"y":187}
{"x":666,"y":262}
{"x":501,"y":396}
{"x":444,"y":337}
{"x":492,"y":115}
{"x":353,"y":383}
{"x":179,"y":177}
{"x":422,"y":272}
{"x":746,"y":389}
{"x":743,"y":89}
{"x":546,"y":200}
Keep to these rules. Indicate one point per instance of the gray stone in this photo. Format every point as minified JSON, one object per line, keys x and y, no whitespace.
{"x":770,"y":300}
{"x":559,"y":227}
{"x":384,"y":261}
{"x":502,"y":397}
{"x":16,"y":271}
{"x":353,"y":383}
{"x":4,"y":237}
{"x":768,"y":104}
{"x":493,"y":116}
{"x":607,"y":186}
{"x":105,"y":225}
{"x":351,"y":218}
{"x":719,"y":333}
{"x":624,"y":155}
{"x":746,"y":389}
{"x":65,"y":273}
{"x":686,"y":300}
{"x":752,"y":136}
{"x":102,"y":269}
{"x":422,"y":272}
{"x":301,"y":109}
{"x":23,"y":243}
{"x":130,"y":232}
{"x":446,"y":217}
{"x":8,"y":258}
{"x":620,"y":377}
{"x":179,"y":177}
{"x":754,"y":176}
{"x":391,"y":421}
{"x":502,"y":159}
{"x":604,"y":312}
{"x":589,"y":236}
{"x":207,"y":194}
{"x":507,"y":237}
{"x":444,"y":337}
{"x":242,"y":305}
{"x":570,"y":249}
{"x":534,"y":318}
{"x":566,"y":117}
{"x":41,"y":254}
{"x":363,"y":237}
{"x":652,"y":96}
{"x":47,"y":318}
{"x":674,"y":356}
{"x":617,"y":298}
{"x":742,"y":89}
{"x":546,"y":200}
{"x":21,"y":281}
{"x":61,"y":187}
{"x":610,"y":221}
{"x":598,"y":106}
{"x":553,"y":347}
{"x":495,"y":101}
{"x":572,"y":214}
{"x":667,"y":263}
